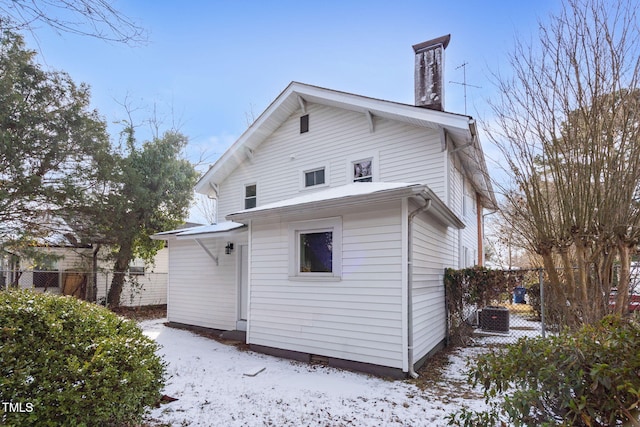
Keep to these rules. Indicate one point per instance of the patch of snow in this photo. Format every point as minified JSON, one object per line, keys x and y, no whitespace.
{"x":202,"y":229}
{"x":340,"y":192}
{"x":208,"y":380}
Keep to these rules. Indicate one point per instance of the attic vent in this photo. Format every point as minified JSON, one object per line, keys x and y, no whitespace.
{"x":304,"y":123}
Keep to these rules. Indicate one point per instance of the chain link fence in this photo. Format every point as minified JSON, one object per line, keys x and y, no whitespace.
{"x":533,"y":309}
{"x":140,"y":288}
{"x":519,"y":313}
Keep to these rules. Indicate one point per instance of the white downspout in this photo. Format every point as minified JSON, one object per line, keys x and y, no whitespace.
{"x":412,"y":215}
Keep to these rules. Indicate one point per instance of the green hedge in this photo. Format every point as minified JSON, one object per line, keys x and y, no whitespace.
{"x":590,"y":377}
{"x":64,"y":362}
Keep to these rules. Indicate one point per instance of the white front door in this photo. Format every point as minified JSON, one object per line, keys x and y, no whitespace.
{"x":243,"y":287}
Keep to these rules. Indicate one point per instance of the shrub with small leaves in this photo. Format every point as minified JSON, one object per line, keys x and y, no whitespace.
{"x":590,"y":377}
{"x":65,"y":362}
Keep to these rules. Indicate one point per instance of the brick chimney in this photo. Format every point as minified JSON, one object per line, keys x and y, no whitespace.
{"x":429,"y":73}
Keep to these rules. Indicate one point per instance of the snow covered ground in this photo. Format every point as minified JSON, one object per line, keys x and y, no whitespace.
{"x":208,"y":379}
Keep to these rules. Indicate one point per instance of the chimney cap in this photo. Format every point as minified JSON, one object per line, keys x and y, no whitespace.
{"x":444,"y":41}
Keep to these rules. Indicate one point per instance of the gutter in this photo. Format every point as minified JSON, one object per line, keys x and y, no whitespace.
{"x":412,"y":215}
{"x":473,"y":130}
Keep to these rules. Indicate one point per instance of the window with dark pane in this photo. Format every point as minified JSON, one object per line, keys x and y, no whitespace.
{"x":250,"y":196}
{"x":362,"y":171}
{"x":45,"y":279}
{"x":45,"y":274}
{"x":316,"y":252}
{"x":315,"y":177}
{"x":304,"y":123}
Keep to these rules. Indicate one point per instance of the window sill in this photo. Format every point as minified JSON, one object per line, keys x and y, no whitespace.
{"x":315,"y":278}
{"x":315,"y":187}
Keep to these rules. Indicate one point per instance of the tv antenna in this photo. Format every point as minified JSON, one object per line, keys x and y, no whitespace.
{"x":464,"y":83}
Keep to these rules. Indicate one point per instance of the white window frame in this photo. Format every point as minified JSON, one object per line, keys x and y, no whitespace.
{"x":333,"y":225}
{"x":373,"y":157}
{"x":244,"y":195}
{"x":303,"y":175}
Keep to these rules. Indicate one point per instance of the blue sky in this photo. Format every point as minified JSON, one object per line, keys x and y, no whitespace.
{"x":209,"y":65}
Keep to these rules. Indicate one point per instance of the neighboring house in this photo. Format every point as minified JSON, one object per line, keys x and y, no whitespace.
{"x":71,"y":273}
{"x":66,"y":267}
{"x":342,"y":212}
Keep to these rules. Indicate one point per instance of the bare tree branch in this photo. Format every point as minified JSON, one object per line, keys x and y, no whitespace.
{"x":568,"y":125}
{"x":93,"y":18}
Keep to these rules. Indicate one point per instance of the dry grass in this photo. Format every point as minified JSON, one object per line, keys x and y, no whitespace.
{"x":431,"y":377}
{"x":142,"y":313}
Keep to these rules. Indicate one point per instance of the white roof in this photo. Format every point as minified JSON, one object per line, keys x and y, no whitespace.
{"x":200,"y":230}
{"x":355,"y":193}
{"x":349,"y":190}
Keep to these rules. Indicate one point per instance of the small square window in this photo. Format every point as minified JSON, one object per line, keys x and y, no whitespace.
{"x":362,"y":171}
{"x":45,"y":279}
{"x":315,"y":177}
{"x":136,"y":270}
{"x":304,"y":123}
{"x":316,"y":252}
{"x":250,"y":196}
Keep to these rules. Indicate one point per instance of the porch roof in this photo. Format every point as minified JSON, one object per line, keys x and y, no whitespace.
{"x":200,"y":231}
{"x":349,"y":195}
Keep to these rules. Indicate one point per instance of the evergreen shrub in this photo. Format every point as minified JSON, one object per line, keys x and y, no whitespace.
{"x":590,"y":377}
{"x":65,"y":362}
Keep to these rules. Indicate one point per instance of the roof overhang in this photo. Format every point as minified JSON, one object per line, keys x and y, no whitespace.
{"x":201,"y":232}
{"x":472,"y":158}
{"x":355,"y":194}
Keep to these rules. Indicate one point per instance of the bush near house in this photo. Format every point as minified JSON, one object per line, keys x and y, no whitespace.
{"x":590,"y":377}
{"x":65,"y":362}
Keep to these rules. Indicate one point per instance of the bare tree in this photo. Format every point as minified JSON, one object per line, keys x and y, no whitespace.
{"x":568,"y":126}
{"x":206,"y":206}
{"x":94,"y":18}
{"x":509,"y":246}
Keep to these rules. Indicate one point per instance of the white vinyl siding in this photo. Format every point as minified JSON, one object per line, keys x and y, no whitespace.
{"x":405,"y":153}
{"x":432,"y":253}
{"x":200,"y":292}
{"x":357,"y":318}
{"x":455,"y":203}
{"x":470,"y":232}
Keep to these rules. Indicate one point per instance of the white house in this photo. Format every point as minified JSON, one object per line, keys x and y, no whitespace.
{"x":340,"y":214}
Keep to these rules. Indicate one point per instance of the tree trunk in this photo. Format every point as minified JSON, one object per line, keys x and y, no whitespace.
{"x":92,"y":285}
{"x":123,"y":259}
{"x":622,"y":299}
{"x":604,"y":279}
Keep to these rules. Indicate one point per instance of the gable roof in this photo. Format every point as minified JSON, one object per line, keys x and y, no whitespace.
{"x":459,"y":129}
